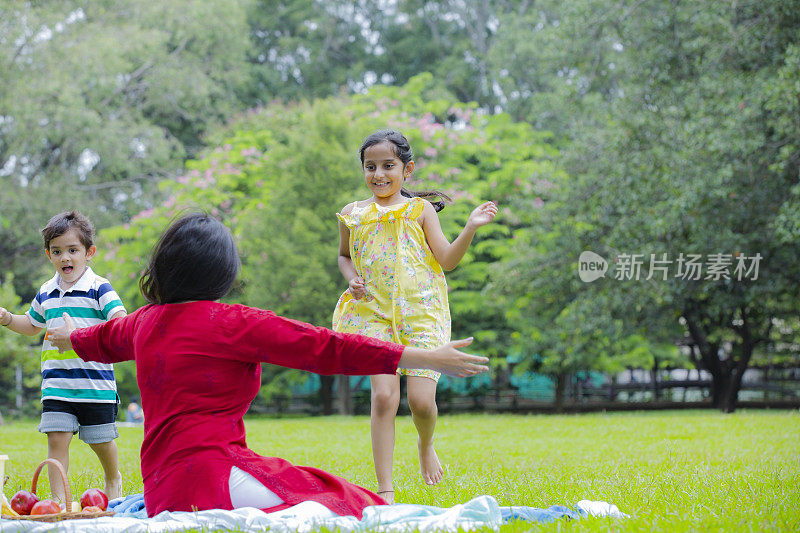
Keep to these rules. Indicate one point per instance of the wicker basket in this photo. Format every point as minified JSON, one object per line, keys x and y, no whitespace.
{"x":57,"y":517}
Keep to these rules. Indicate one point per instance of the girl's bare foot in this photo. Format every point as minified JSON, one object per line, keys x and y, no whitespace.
{"x":387,"y":495}
{"x":113,"y":487}
{"x":429,"y":464}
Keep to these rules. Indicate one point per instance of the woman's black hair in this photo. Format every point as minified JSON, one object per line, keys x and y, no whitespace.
{"x":403,"y":152}
{"x":195,"y":259}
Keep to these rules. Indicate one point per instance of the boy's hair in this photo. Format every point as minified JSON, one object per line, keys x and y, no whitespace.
{"x":403,"y":152}
{"x":195,"y":259}
{"x":63,"y":222}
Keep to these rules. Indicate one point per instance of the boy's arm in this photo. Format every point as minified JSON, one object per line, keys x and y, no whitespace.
{"x":449,"y":254}
{"x":118,"y":314}
{"x":18,"y":323}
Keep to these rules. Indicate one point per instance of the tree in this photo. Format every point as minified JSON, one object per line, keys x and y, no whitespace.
{"x":308,"y":49}
{"x":680,"y":159}
{"x":782,"y":103}
{"x":102,"y":100}
{"x":19,"y":360}
{"x":303,"y":49}
{"x":562,"y":325}
{"x":278,"y":175}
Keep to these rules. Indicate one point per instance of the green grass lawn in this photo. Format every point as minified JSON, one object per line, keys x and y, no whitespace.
{"x":672,"y":471}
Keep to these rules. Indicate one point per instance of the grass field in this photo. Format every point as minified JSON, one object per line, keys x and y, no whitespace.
{"x":670,"y":470}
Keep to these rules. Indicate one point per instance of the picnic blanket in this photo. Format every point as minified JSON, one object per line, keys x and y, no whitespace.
{"x":480,"y":512}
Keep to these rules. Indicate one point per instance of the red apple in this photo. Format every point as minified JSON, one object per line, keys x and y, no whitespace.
{"x":46,"y":507}
{"x":92,"y":509}
{"x":94,"y":497}
{"x":23,"y":501}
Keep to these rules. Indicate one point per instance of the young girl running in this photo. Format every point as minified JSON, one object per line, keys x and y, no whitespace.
{"x":198,"y":366}
{"x":391,"y":252}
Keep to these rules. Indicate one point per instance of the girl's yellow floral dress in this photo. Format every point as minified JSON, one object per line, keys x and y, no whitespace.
{"x":406,"y":298}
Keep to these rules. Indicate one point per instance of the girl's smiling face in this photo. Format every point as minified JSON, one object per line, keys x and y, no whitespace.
{"x":69,"y":256}
{"x":384,"y":173}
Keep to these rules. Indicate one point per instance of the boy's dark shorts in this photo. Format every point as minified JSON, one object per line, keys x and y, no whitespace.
{"x":94,"y":422}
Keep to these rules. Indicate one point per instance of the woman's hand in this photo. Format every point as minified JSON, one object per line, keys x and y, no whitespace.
{"x":59,"y":337}
{"x":5,"y":317}
{"x":482,"y":215}
{"x":358,"y":287}
{"x":447,"y":359}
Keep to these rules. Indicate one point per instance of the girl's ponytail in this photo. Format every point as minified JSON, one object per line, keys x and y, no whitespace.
{"x":437,"y":198}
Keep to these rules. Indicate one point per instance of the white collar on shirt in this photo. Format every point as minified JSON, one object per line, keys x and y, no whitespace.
{"x":84,"y":283}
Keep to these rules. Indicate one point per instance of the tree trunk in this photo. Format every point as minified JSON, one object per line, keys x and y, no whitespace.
{"x":654,"y":378}
{"x":612,"y":389}
{"x":726,"y":375}
{"x":326,"y":394}
{"x":709,"y":360}
{"x":720,"y":383}
{"x":561,"y":383}
{"x":345,"y":396}
{"x":737,"y":371}
{"x":731,"y":395}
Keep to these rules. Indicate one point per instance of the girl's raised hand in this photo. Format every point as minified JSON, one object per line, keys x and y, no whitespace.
{"x":59,"y":337}
{"x":358,"y":287}
{"x":483,"y":214}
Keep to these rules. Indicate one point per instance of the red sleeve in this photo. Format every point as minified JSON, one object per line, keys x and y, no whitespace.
{"x":269,"y":338}
{"x":109,"y":342}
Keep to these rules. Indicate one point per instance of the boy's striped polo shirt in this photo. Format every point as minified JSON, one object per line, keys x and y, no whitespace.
{"x":65,"y":376}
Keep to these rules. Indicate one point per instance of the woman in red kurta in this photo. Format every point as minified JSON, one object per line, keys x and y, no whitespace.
{"x":198,"y":369}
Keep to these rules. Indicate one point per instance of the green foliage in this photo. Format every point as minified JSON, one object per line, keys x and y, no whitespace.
{"x":306,"y":49}
{"x":18,"y":353}
{"x":100,"y":101}
{"x":675,"y":123}
{"x":686,"y":149}
{"x":279,"y":175}
{"x":783,"y":105}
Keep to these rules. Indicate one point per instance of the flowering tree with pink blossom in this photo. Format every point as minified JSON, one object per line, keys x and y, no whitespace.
{"x":277,"y":176}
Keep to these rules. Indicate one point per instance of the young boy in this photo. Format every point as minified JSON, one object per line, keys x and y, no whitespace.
{"x":77,"y":397}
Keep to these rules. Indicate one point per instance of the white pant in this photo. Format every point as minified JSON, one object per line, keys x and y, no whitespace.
{"x":247,"y":491}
